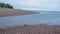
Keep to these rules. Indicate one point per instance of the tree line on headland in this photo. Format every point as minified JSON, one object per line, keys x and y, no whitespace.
{"x":3,"y":5}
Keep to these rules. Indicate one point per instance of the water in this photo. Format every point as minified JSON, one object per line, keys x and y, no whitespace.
{"x":45,"y":17}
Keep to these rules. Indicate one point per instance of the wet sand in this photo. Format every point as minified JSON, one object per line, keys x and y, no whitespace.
{"x":32,"y":29}
{"x":14,"y":12}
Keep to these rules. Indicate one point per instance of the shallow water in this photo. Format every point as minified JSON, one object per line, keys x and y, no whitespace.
{"x":45,"y":17}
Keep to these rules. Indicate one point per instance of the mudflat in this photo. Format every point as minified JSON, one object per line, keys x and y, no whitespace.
{"x":14,"y":12}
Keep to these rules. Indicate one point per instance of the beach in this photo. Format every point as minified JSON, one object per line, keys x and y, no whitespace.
{"x":44,"y":23}
{"x":32,"y":29}
{"x":14,"y":12}
{"x":29,"y":16}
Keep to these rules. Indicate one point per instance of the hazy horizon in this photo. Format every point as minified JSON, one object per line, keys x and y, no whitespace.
{"x":47,"y":5}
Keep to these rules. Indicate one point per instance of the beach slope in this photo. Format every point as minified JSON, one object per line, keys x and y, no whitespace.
{"x":15,"y":12}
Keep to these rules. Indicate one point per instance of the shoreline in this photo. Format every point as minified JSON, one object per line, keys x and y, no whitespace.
{"x":15,"y":12}
{"x":29,"y":29}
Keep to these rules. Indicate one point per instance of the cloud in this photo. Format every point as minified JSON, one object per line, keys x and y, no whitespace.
{"x":27,"y":2}
{"x":35,"y":4}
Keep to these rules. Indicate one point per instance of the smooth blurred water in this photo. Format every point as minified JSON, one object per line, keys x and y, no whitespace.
{"x":45,"y":17}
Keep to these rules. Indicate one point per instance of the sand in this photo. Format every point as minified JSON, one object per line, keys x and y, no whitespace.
{"x":14,"y":12}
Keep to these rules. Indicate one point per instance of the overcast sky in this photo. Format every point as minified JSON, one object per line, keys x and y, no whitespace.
{"x":35,"y":4}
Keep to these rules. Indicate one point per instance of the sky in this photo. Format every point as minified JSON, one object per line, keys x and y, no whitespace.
{"x":47,"y":5}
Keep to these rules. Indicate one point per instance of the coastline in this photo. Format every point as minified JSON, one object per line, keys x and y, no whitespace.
{"x":26,"y":29}
{"x":15,"y":12}
{"x":32,"y":29}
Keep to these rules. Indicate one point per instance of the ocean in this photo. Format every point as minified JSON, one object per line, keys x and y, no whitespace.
{"x":45,"y":17}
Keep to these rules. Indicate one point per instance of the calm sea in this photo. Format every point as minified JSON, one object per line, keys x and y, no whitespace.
{"x":45,"y":17}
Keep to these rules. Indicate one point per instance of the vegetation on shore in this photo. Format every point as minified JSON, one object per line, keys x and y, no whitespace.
{"x":3,"y":5}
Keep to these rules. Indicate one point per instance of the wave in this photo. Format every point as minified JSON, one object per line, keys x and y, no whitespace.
{"x":42,"y":12}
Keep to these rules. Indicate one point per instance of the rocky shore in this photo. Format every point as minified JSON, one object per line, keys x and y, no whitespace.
{"x":32,"y":29}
